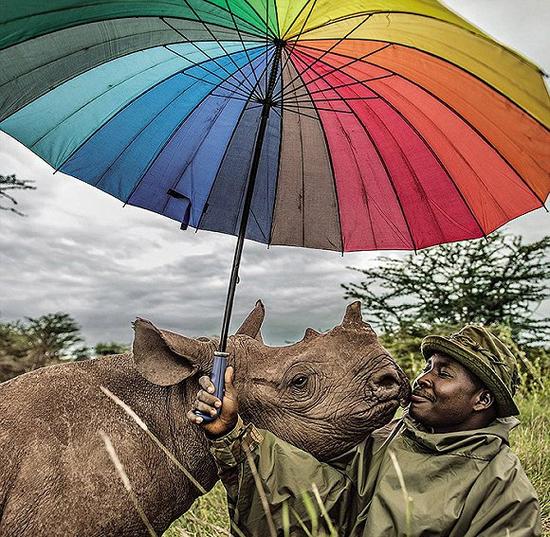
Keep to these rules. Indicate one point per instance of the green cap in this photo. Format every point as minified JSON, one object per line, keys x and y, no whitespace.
{"x":488,"y":358}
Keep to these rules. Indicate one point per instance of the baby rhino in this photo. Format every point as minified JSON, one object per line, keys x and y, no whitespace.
{"x":324,"y":394}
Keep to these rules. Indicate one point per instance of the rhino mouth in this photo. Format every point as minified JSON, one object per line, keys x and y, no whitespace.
{"x":380,"y":412}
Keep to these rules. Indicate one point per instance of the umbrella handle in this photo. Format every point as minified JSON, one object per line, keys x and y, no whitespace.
{"x":217,"y":377}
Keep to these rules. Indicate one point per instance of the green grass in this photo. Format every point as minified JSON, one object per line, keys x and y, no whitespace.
{"x":530,"y":441}
{"x":207,"y":518}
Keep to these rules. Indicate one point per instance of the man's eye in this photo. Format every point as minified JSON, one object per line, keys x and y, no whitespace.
{"x":444,"y":374}
{"x":299,"y":381}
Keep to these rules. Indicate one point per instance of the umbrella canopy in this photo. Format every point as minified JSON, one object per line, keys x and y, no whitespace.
{"x":368,"y":124}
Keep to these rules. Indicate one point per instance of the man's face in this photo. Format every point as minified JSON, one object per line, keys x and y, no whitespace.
{"x":444,"y":395}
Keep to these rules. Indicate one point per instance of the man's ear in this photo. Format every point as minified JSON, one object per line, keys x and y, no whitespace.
{"x":165,"y":358}
{"x":484,"y":400}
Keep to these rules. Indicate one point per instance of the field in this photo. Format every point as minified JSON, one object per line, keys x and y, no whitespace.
{"x":530,"y":441}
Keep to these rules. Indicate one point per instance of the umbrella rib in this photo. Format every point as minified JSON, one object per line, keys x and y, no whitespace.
{"x":193,"y":43}
{"x":217,"y":85}
{"x":333,"y":173}
{"x":347,"y":85}
{"x":301,"y":106}
{"x":207,"y":28}
{"x":458,"y":114}
{"x":223,"y":80}
{"x":226,"y":151}
{"x":277,"y":32}
{"x":384,"y":165}
{"x":334,"y":45}
{"x":256,"y":29}
{"x":103,"y":43}
{"x":241,"y":38}
{"x":425,"y":16}
{"x":407,"y":160}
{"x":164,"y":145}
{"x":240,"y":98}
{"x":266,"y":45}
{"x":292,"y":110}
{"x":281,"y":116}
{"x":341,"y":67}
{"x":219,"y":167}
{"x":139,"y":134}
{"x":289,"y":53}
{"x":296,"y":17}
{"x":368,"y":201}
{"x":258,"y":15}
{"x":130,"y":103}
{"x":326,"y":100}
{"x":428,"y":53}
{"x":87,"y":103}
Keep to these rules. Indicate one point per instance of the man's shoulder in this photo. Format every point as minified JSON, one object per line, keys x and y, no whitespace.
{"x":506,"y":467}
{"x":506,"y":461}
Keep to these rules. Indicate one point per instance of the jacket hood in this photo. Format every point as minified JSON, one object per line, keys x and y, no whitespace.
{"x":484,"y":443}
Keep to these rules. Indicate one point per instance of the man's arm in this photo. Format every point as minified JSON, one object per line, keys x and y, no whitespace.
{"x":269,"y":482}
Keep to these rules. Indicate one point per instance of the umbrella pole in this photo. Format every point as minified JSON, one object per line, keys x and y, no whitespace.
{"x":249,"y":192}
{"x":220,"y":356}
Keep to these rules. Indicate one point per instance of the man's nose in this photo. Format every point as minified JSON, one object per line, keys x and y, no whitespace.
{"x":423,"y":380}
{"x":386,"y":380}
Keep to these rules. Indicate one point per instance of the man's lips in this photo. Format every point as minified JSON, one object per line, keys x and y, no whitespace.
{"x":419,"y":397}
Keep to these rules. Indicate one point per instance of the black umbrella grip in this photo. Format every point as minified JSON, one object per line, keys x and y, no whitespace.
{"x":217,"y":377}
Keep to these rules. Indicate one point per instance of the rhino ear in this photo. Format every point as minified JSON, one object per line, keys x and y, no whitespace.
{"x":165,"y":358}
{"x":252,"y":325}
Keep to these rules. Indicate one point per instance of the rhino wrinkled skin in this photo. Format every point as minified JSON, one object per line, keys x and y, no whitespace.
{"x":323,"y":394}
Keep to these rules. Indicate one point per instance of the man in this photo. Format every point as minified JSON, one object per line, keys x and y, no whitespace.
{"x":446,"y":468}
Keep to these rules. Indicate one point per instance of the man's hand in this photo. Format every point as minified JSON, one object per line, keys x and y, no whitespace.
{"x":208,"y":403}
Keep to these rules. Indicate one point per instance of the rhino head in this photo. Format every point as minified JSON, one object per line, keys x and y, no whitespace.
{"x":323,"y":394}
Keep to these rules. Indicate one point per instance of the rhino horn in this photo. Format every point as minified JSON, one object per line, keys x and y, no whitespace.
{"x":166,"y":358}
{"x":353,"y":315}
{"x":310,"y":334}
{"x":253,"y":323}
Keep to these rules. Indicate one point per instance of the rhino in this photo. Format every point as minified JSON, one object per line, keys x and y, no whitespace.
{"x":323,"y":394}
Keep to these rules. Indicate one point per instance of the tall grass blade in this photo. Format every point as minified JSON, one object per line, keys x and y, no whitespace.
{"x":261,"y":492}
{"x":144,"y":427}
{"x":301,"y":522}
{"x":285,"y":517}
{"x":408,"y":500}
{"x":126,"y":482}
{"x":312,"y":512}
{"x":324,"y":512}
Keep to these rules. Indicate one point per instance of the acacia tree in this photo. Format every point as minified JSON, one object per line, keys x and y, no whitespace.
{"x":36,"y":342}
{"x":497,"y":280}
{"x":8,"y":184}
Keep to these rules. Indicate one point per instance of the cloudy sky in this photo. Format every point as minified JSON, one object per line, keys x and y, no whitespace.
{"x":79,"y":251}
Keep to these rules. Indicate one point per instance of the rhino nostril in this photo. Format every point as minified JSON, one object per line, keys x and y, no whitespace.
{"x":387,"y":379}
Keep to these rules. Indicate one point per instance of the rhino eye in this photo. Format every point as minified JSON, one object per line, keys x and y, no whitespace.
{"x":299,"y":381}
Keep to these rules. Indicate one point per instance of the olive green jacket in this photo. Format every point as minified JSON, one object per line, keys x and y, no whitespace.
{"x":401,"y":481}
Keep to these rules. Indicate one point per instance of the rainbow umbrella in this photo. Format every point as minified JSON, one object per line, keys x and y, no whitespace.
{"x":344,"y":125}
